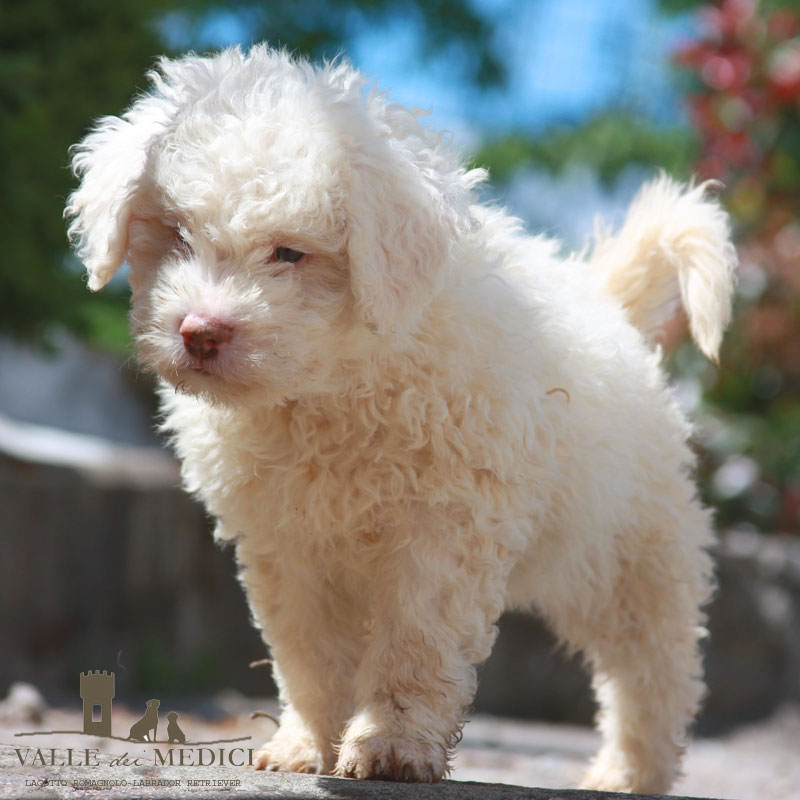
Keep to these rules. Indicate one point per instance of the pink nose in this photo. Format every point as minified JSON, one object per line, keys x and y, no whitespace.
{"x":203,"y":336}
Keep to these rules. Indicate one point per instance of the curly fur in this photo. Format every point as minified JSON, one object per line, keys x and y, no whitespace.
{"x":430,"y":418}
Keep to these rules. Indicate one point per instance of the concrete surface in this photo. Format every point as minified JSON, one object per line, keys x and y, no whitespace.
{"x":759,"y":762}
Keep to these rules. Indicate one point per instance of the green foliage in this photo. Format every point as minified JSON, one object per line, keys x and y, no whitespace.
{"x":607,"y":143}
{"x":61,"y":65}
{"x":680,"y":6}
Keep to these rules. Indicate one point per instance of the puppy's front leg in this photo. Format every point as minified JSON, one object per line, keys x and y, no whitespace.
{"x":430,"y":622}
{"x":315,"y":641}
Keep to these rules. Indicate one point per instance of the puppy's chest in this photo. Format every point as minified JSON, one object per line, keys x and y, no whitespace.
{"x":333,"y":478}
{"x":324,"y":474}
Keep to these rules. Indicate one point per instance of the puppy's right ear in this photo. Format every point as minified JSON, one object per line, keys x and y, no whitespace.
{"x":110,"y":162}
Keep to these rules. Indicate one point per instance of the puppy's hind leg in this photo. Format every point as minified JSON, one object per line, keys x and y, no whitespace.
{"x":642,"y":646}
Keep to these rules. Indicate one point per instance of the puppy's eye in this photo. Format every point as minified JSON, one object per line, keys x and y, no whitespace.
{"x":288,"y":255}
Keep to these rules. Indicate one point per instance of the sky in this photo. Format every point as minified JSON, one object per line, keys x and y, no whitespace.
{"x":567,"y":59}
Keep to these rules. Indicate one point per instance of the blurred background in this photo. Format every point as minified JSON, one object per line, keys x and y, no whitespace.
{"x":571,"y":104}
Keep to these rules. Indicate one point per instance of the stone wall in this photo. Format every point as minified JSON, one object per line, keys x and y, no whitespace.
{"x":98,"y":576}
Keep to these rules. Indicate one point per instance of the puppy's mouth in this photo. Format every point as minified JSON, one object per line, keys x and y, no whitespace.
{"x":199,"y":381}
{"x":204,"y":373}
{"x":203,"y":369}
{"x":188,"y":373}
{"x":222,"y":388}
{"x":206,"y":366}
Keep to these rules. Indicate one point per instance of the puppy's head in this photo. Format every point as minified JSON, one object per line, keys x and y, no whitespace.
{"x":281,"y":223}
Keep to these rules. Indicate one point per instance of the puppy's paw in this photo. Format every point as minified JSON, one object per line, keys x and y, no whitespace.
{"x":597,"y":780}
{"x":284,"y":754}
{"x":611,"y":775}
{"x":391,"y":759}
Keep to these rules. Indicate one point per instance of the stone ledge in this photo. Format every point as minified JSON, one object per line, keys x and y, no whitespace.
{"x":207,"y":783}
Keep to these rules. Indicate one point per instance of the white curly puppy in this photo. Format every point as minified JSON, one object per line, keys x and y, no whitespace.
{"x":405,"y":413}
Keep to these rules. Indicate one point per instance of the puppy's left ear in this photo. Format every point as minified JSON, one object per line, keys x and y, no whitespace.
{"x":111,"y":162}
{"x":407,"y":205}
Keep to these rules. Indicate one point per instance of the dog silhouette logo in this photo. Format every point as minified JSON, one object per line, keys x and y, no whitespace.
{"x":174,"y":733}
{"x":146,"y":729}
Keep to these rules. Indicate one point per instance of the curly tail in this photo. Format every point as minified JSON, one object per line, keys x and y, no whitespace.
{"x":675,"y":240}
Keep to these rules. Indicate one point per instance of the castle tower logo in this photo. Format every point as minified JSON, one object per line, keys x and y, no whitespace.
{"x":97,"y":693}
